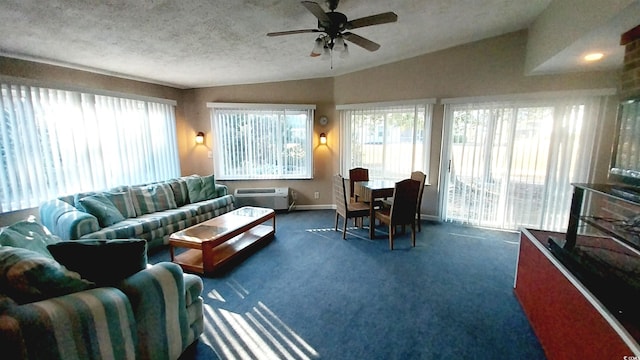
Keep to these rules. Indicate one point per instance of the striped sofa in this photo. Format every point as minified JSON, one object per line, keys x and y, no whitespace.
{"x":149,"y":211}
{"x":153,"y":314}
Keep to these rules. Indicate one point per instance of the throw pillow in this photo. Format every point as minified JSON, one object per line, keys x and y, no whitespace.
{"x":201,"y":187}
{"x":121,"y":198}
{"x":180,"y":191}
{"x":27,"y":276}
{"x":28,"y":235}
{"x":151,"y":198}
{"x":102,"y":208}
{"x":104,"y":262}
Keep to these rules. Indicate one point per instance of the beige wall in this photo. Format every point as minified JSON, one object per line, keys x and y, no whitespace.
{"x":194,"y":158}
{"x":488,"y":67}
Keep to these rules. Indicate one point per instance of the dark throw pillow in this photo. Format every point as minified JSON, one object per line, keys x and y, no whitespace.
{"x":102,"y":208}
{"x":104,"y":262}
{"x":27,"y":276}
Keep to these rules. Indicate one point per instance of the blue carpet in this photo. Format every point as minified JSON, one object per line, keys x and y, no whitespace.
{"x":309,"y":294}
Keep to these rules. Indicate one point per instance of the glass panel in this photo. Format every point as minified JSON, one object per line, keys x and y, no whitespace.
{"x":262,"y":144}
{"x":512,"y":165}
{"x":389,"y":141}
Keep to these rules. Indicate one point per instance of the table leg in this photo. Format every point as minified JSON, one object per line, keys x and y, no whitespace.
{"x":372,"y":220}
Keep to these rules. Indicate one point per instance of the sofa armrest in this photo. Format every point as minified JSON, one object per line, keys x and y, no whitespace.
{"x":157,"y":296}
{"x":96,"y":323}
{"x":66,"y":221}
{"x":221,"y":190}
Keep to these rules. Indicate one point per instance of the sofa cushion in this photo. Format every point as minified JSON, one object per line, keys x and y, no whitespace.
{"x":172,"y":216}
{"x":28,"y":235}
{"x":104,"y":262}
{"x":102,"y":208}
{"x":151,"y":198}
{"x":180,"y":191}
{"x":201,"y":187}
{"x":27,"y":276}
{"x":211,"y":206}
{"x":121,"y":198}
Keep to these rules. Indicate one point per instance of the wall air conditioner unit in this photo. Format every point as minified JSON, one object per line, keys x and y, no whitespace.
{"x":273,"y":198}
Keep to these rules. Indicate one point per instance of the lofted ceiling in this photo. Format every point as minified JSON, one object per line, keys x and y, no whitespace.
{"x":201,"y":43}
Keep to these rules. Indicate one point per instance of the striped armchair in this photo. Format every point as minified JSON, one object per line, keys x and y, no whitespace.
{"x":155,"y":313}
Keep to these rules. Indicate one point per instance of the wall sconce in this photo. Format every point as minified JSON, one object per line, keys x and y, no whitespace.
{"x":200,"y":138}
{"x":323,"y":138}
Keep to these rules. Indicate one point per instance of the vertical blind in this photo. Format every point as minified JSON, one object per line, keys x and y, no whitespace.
{"x":262,"y":141}
{"x":511,"y":163}
{"x":56,"y":142}
{"x":390,"y":139}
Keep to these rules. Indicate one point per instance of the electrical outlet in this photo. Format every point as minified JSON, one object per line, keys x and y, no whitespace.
{"x":316,"y":195}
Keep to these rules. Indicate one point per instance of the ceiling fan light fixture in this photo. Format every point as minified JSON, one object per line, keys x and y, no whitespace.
{"x":345,"y":52}
{"x":334,"y":26}
{"x":317,"y":47}
{"x":326,"y":53}
{"x":339,"y":44}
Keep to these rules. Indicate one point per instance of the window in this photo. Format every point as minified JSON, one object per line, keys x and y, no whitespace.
{"x":389,"y":139}
{"x":57,"y":142}
{"x":262,"y":141}
{"x":510,"y":163}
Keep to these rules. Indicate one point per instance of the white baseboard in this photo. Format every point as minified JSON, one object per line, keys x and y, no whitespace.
{"x":314,"y":207}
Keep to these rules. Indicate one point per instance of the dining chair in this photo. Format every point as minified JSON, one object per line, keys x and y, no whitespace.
{"x":345,"y":208}
{"x":422,"y":178}
{"x":402,"y":210}
{"x":356,"y":174}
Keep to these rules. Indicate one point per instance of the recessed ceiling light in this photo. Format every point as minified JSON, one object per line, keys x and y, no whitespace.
{"x":593,"y":56}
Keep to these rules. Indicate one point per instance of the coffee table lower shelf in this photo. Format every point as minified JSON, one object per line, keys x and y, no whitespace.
{"x":192,"y":260}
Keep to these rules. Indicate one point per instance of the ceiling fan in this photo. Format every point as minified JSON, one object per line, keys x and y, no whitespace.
{"x":333,"y":26}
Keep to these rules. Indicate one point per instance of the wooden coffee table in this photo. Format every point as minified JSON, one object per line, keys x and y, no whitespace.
{"x":214,"y":242}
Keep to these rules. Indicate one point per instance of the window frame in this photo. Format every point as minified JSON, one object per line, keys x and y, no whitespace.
{"x":346,"y":139}
{"x":218,"y":154}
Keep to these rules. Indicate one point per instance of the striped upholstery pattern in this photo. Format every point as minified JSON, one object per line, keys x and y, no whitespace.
{"x":180,"y":191}
{"x":29,"y":276}
{"x":121,"y":198}
{"x":158,"y":299}
{"x":152,"y":198}
{"x":64,"y":220}
{"x":149,"y":223}
{"x":153,"y":314}
{"x":210,"y":206}
{"x":164,"y":223}
{"x":91,"y":324}
{"x":194,"y":302}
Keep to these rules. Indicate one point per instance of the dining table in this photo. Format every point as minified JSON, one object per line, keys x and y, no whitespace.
{"x":370,"y":191}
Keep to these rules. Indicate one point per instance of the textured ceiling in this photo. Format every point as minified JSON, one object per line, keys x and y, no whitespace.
{"x":196,"y":43}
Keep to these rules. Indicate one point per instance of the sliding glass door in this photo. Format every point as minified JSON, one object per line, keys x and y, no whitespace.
{"x":511,"y":164}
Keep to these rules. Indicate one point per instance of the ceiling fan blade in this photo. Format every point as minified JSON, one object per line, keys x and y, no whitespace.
{"x":360,"y":41}
{"x":382,"y":18}
{"x":289,"y":32}
{"x":317,"y":11}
